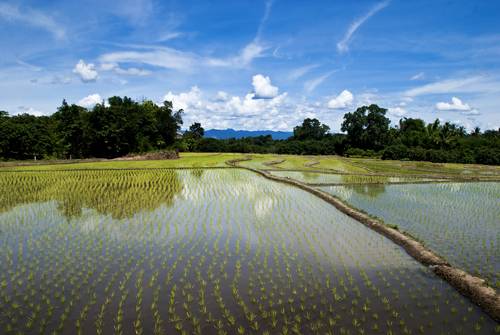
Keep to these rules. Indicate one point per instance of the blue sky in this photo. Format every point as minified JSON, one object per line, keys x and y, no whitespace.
{"x":257,"y":64}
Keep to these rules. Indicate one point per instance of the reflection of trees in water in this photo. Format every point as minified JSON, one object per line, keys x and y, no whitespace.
{"x":309,"y":176}
{"x":198,"y":173}
{"x":120,"y":194}
{"x":372,"y":190}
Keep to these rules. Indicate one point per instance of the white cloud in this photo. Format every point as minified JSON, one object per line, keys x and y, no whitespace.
{"x":90,"y":100}
{"x":343,"y":45}
{"x":31,"y":17}
{"x":30,"y":110}
{"x":418,"y":76}
{"x":161,"y":57}
{"x":455,"y":105}
{"x":248,"y":54}
{"x":87,"y":72}
{"x":265,"y":17}
{"x":471,"y":112}
{"x":301,"y":71}
{"x":341,"y":101}
{"x":263,"y":88}
{"x":169,"y":58}
{"x":136,"y":11}
{"x":170,"y":36}
{"x":476,"y":84}
{"x":222,"y":110}
{"x":131,"y":71}
{"x":397,"y":111}
{"x":245,"y":57}
{"x":222,"y":96}
{"x":311,"y":85}
{"x":187,"y":100}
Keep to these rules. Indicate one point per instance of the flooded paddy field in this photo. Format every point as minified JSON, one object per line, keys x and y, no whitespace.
{"x":205,"y":251}
{"x":460,"y":221}
{"x":330,"y":178}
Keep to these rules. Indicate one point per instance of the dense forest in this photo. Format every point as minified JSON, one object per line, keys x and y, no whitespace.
{"x":123,"y":126}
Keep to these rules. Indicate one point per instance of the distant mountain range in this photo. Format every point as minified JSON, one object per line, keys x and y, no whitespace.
{"x":231,"y":133}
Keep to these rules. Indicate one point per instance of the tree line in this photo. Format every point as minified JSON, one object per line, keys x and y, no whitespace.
{"x":123,"y":126}
{"x":120,"y":127}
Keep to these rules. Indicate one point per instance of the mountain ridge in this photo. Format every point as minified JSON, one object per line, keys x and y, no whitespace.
{"x":233,"y":133}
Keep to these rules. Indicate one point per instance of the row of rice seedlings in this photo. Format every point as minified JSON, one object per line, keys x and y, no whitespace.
{"x":457,"y":220}
{"x":329,"y":178}
{"x":233,"y":253}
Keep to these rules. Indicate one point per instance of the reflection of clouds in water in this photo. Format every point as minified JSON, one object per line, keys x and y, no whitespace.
{"x":454,"y":187}
{"x":342,"y":192}
{"x":263,"y":205}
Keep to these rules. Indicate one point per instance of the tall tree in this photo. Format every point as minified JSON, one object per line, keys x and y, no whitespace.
{"x":367,"y":127}
{"x":195,"y":131}
{"x":311,"y":129}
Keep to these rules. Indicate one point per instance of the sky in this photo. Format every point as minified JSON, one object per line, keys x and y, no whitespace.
{"x":257,"y":64}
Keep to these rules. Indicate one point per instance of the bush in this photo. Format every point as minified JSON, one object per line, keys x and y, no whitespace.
{"x":397,"y":152}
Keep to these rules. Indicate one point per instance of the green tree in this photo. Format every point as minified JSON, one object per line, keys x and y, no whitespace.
{"x":311,"y":129}
{"x":367,"y":127}
{"x":195,"y":131}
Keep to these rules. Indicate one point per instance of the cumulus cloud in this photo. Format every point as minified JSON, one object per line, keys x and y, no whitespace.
{"x":90,"y":100}
{"x":343,"y":44}
{"x":263,"y":88}
{"x":86,"y":72}
{"x":186,"y":100}
{"x":455,"y":105}
{"x":222,"y":96}
{"x":341,"y":101}
{"x":222,"y":110}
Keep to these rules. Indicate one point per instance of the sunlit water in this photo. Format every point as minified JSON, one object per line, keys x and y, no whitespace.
{"x":460,"y":221}
{"x":329,"y":178}
{"x":219,"y":251}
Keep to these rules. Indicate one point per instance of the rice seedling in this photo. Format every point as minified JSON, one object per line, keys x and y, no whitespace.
{"x":219,"y":252}
{"x":457,"y":220}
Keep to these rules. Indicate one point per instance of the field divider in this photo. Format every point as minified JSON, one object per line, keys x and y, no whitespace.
{"x":472,"y":287}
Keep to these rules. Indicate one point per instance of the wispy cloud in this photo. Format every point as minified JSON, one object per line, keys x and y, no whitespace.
{"x":418,"y":76}
{"x":158,"y":56}
{"x":301,"y":71}
{"x":267,"y":13}
{"x":475,"y":84}
{"x":343,"y":44}
{"x":31,"y":17}
{"x":311,"y":85}
{"x":174,"y":59}
{"x":136,"y":11}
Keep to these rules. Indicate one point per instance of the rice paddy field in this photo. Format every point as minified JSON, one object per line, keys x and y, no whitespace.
{"x":330,"y":178}
{"x":460,"y":221}
{"x":188,"y":247}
